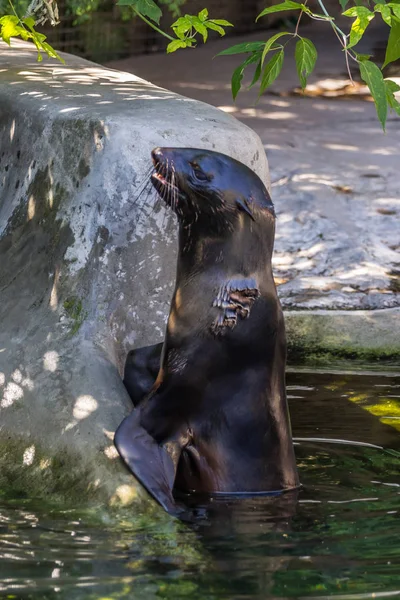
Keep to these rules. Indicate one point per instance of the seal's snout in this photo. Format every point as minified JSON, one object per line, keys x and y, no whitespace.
{"x":156,"y":156}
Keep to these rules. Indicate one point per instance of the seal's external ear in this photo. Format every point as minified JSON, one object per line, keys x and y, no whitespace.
{"x":243,"y":205}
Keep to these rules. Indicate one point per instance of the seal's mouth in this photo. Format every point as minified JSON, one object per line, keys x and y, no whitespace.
{"x":163,"y":179}
{"x":165,"y":188}
{"x":159,"y":179}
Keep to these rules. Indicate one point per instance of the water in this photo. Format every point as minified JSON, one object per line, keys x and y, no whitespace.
{"x":339,"y":536}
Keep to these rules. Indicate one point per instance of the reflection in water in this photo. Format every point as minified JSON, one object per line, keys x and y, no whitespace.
{"x":338,"y":536}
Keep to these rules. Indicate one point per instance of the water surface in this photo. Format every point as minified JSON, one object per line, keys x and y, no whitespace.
{"x":338,"y":537}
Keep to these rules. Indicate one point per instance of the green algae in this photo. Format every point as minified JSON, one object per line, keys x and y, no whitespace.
{"x":27,"y":470}
{"x":316,"y":339}
{"x":321,"y":355}
{"x":31,"y":469}
{"x":74,"y":308}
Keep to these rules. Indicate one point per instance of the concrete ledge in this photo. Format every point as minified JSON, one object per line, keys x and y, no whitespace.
{"x":365,"y":334}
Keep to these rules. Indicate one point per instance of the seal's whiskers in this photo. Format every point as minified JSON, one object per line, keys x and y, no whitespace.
{"x":145,"y":183}
{"x":174,"y":189}
{"x":144,"y":204}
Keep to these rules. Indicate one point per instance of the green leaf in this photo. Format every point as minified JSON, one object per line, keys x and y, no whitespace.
{"x":362,"y":57}
{"x":317,"y":15}
{"x":180,"y":33}
{"x":395,"y":8}
{"x":200,"y":28}
{"x":270,"y":43}
{"x":222,"y":22}
{"x":393,"y":45}
{"x":26,"y":35}
{"x":354,"y":11}
{"x":237,"y":75}
{"x":391,"y":89}
{"x":51,"y":52}
{"x":29,"y":22}
{"x":373,"y":77}
{"x":7,"y":18}
{"x":181,"y":27}
{"x":148,"y":8}
{"x":257,"y":74}
{"x":386,"y":13}
{"x":203,"y":14}
{"x":39,"y":37}
{"x":175,"y":45}
{"x":306,"y":56}
{"x":392,"y":85}
{"x":360,"y":24}
{"x":215,"y":27}
{"x":287,"y":5}
{"x":343,"y":3}
{"x":236,"y":82}
{"x":271,"y":71}
{"x":240,"y":48}
{"x":10,"y":28}
{"x":182,"y":22}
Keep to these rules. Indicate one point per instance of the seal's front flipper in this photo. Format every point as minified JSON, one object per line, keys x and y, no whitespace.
{"x":153,"y":465}
{"x":141,"y":369}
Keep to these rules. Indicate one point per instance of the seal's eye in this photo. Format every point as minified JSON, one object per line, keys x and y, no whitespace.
{"x":198,"y":173}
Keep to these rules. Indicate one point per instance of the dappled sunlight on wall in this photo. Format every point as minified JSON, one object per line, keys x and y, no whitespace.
{"x":78,"y":82}
{"x":29,"y":456}
{"x":84,"y":406}
{"x":50,"y":361}
{"x":83,"y":417}
{"x":12,"y":388}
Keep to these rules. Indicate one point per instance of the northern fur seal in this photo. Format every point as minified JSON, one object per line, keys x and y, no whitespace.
{"x":210,"y":406}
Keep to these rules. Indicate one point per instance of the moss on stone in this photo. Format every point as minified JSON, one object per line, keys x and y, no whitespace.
{"x":319,"y":339}
{"x":321,"y":355}
{"x":83,"y":168}
{"x":46,"y":200}
{"x":74,"y":308}
{"x":27,"y":470}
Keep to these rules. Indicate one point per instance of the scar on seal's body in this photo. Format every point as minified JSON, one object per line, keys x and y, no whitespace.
{"x":210,"y":410}
{"x":235,"y":299}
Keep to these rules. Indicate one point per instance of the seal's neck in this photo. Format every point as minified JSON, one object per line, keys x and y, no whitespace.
{"x":246,"y":247}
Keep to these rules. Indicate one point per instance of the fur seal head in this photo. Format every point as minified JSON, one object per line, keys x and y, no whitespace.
{"x":207,"y":186}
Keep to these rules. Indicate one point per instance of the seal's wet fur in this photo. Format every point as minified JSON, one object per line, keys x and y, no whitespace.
{"x":210,"y":406}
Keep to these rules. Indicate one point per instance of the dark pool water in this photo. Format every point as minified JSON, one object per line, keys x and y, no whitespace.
{"x":340,"y":536}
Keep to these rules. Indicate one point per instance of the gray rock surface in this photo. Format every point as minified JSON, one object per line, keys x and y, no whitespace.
{"x":87,"y":266}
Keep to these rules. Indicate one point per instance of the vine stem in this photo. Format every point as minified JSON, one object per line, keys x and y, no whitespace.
{"x":139,"y":14}
{"x":299,"y":19}
{"x":346,"y":53}
{"x":14,"y":11}
{"x":342,"y":41}
{"x":330,"y":19}
{"x":17,"y":15}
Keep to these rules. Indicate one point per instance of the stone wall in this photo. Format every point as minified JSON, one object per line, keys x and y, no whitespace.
{"x":87,"y":266}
